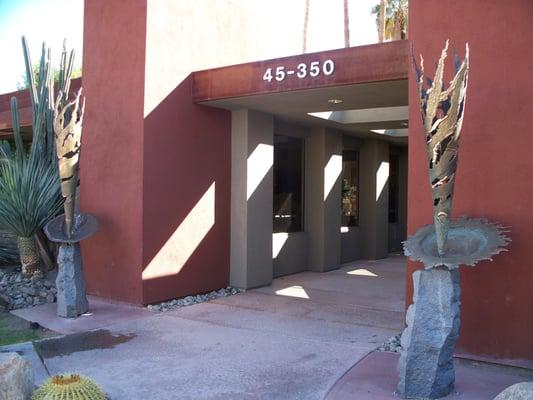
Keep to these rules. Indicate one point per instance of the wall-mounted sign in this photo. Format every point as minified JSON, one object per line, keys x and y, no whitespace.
{"x":302,"y":71}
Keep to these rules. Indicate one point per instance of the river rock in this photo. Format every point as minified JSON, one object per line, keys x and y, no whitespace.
{"x":16,"y":377}
{"x":426,"y":362}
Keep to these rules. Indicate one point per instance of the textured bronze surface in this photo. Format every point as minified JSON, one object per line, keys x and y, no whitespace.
{"x":442,"y":117}
{"x":68,"y":120}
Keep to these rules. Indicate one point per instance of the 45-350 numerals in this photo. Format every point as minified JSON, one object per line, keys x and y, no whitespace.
{"x":303,"y":70}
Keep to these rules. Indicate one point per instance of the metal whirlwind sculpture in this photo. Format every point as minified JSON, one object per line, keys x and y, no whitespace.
{"x":442,"y":117}
{"x":442,"y":111}
{"x":68,"y":120}
{"x":71,"y":227}
{"x":426,"y":368}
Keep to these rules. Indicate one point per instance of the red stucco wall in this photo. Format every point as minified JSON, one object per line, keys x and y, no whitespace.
{"x":112,"y":150}
{"x":495,"y":176}
{"x":141,"y":174}
{"x":186,"y":149}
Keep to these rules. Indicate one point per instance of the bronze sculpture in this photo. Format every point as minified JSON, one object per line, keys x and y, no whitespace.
{"x":73,"y":226}
{"x":426,"y":362}
{"x":442,"y":117}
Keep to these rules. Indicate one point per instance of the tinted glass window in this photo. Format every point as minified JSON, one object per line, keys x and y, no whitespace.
{"x":393,"y":188}
{"x":350,"y":188}
{"x":288,"y":184}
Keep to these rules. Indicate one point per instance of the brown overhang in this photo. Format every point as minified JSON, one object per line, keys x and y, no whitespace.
{"x":362,"y":64}
{"x":24,"y":105}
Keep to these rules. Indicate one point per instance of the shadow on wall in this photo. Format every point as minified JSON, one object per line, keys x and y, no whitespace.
{"x":186,"y":197}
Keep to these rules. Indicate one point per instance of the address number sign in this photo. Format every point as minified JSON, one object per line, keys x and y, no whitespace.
{"x":302,"y":71}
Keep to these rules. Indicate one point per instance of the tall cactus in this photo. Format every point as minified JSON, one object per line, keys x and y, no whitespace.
{"x":30,"y":193}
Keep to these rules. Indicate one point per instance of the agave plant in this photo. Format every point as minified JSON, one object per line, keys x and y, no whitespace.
{"x":30,"y":191}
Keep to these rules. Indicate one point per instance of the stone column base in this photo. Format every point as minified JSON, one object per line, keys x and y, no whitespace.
{"x":426,"y":361}
{"x":71,"y":293}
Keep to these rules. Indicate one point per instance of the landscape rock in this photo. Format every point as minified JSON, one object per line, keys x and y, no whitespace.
{"x":190,"y":300}
{"x":16,"y":377}
{"x":518,"y":391}
{"x":17,"y":291}
{"x":71,"y":293}
{"x":393,"y":344}
{"x":426,"y":362}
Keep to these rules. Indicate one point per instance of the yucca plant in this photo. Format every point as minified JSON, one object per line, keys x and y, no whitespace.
{"x":30,"y":192}
{"x":29,"y":198}
{"x":8,"y":242}
{"x":8,"y":248}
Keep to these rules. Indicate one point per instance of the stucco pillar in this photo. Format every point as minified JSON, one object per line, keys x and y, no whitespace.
{"x":111,"y":164}
{"x":252,"y":157}
{"x":374,"y":198}
{"x":323,"y":198}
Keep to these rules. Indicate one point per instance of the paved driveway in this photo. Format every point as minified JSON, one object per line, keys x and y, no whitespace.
{"x":291,"y":340}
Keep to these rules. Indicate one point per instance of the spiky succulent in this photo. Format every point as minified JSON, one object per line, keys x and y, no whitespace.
{"x":69,"y":387}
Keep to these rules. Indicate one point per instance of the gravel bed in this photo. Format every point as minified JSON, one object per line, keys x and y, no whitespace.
{"x":190,"y":300}
{"x":17,"y":291}
{"x":393,"y":344}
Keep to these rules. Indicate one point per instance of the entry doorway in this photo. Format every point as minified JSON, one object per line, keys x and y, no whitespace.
{"x":337,"y":198}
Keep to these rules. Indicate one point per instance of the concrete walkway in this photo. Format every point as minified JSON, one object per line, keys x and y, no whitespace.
{"x":292,"y":340}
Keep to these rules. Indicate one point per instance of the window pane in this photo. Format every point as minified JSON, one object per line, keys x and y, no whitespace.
{"x":393,"y":188}
{"x":350,"y":188}
{"x":288,"y":186}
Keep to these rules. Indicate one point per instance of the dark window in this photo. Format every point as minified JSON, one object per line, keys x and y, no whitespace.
{"x":350,"y":188}
{"x":288,"y":184}
{"x":393,"y":188}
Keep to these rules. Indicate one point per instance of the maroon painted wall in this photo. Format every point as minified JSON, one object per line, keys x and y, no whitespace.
{"x":187,"y":147}
{"x":495,"y":176}
{"x":142,"y":175}
{"x":112,"y":151}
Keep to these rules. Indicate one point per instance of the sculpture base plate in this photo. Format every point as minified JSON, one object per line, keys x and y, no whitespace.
{"x":470,"y":240}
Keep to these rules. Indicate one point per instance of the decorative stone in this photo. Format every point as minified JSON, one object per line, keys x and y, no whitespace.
{"x":16,"y":377}
{"x":426,"y":362}
{"x":518,"y":391}
{"x":71,"y":297}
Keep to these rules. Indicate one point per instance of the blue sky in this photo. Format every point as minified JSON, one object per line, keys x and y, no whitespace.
{"x":40,"y":20}
{"x":53,"y":20}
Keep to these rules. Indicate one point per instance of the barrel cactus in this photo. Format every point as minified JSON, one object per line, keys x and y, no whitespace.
{"x":69,"y":387}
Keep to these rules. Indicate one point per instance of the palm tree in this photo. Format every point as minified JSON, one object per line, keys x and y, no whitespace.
{"x":391,"y":19}
{"x":306,"y":24}
{"x":346,"y":25}
{"x":381,"y":20}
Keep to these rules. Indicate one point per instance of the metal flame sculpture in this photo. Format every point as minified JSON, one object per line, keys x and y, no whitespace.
{"x":442,"y":117}
{"x":448,"y":243}
{"x":426,"y":368}
{"x":68,"y":119}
